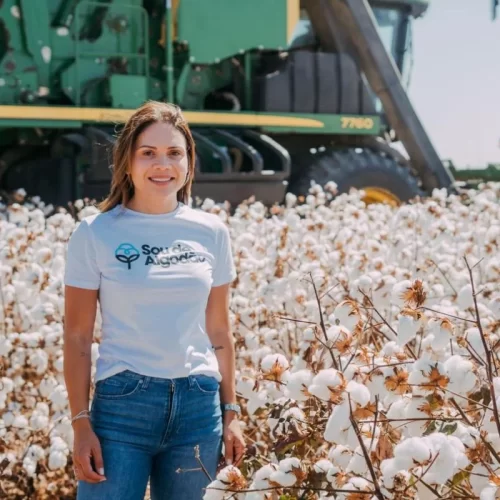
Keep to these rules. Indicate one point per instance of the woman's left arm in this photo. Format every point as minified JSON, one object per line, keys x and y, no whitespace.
{"x":218,"y":327}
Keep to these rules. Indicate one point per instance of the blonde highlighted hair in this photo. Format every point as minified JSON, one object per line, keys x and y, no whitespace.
{"x":122,"y":189}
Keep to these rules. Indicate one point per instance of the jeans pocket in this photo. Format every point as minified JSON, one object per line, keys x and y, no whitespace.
{"x":118,"y":386}
{"x":204,"y":384}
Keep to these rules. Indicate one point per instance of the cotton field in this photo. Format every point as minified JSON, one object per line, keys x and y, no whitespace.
{"x":367,"y":348}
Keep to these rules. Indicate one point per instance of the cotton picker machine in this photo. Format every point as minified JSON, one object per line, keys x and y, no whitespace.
{"x":278,"y":93}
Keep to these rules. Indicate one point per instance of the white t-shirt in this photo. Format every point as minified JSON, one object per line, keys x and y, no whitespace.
{"x":154,"y":273}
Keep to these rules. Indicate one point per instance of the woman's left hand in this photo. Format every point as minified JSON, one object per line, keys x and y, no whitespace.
{"x":234,"y":444}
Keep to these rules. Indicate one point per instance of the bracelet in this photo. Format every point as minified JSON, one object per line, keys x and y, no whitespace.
{"x":82,"y":414}
{"x":231,"y":407}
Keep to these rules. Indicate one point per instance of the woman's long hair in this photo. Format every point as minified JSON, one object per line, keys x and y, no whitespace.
{"x":122,"y":189}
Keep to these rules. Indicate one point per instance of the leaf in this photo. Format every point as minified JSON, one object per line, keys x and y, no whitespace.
{"x":493,"y":478}
{"x":430,"y":428}
{"x":383,"y":450}
{"x":450,"y":428}
{"x":459,"y":477}
{"x":398,"y":382}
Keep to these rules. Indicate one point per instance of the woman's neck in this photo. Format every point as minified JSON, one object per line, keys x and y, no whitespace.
{"x":152,"y":206}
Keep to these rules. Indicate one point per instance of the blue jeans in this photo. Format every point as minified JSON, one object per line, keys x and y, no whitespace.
{"x":148,"y":428}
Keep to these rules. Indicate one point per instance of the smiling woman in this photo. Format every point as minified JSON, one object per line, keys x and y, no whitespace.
{"x":165,"y":374}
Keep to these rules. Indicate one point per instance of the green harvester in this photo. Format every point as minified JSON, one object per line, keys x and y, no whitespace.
{"x":279,"y":93}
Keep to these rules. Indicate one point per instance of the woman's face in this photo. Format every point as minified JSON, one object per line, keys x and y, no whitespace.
{"x":159,"y":162}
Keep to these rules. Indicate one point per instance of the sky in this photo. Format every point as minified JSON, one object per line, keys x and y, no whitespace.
{"x":455,"y":82}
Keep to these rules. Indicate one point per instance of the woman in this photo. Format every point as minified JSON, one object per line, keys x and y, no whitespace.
{"x":165,"y":375}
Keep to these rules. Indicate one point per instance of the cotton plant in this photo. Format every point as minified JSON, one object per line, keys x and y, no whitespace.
{"x":361,"y":366}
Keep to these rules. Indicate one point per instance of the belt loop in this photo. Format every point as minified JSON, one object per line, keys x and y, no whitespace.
{"x":145,"y":383}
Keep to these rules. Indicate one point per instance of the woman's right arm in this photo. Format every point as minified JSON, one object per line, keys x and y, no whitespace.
{"x":79,"y":319}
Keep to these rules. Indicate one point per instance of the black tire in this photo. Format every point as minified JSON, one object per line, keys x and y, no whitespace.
{"x":354,"y":168}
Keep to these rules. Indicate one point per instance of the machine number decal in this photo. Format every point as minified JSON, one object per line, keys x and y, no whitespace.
{"x":357,"y":122}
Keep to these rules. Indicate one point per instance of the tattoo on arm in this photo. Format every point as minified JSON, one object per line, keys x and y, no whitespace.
{"x":215,"y":348}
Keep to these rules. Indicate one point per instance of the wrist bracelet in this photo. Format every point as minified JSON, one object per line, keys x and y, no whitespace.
{"x":231,"y":406}
{"x":82,"y":414}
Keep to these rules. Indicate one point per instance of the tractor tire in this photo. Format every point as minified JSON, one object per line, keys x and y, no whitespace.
{"x":382,"y":178}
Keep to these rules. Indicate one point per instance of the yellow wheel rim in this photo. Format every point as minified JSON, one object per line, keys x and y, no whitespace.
{"x":380,"y":195}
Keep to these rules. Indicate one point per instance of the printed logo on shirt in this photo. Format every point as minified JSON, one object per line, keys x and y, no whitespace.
{"x":127,"y":254}
{"x":180,"y":253}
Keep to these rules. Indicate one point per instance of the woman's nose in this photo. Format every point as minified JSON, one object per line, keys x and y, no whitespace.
{"x":162,"y":161}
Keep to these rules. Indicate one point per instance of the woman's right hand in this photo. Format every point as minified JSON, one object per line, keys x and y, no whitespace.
{"x":87,"y":452}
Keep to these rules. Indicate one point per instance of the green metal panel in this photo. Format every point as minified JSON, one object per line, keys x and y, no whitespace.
{"x":218,"y":29}
{"x":128,"y":91}
{"x":194,"y":84}
{"x":40,"y":124}
{"x":36,"y":24}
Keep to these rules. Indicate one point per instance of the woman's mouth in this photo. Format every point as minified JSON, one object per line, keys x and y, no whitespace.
{"x":161,"y":181}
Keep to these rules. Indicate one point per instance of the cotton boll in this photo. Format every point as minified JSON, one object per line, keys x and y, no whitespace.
{"x":274,"y":366}
{"x":29,"y":466}
{"x":64,"y":430}
{"x":347,"y":314}
{"x":339,"y":339}
{"x":283,"y":479}
{"x":6,"y":385}
{"x":398,"y":293}
{"x":264,"y":473}
{"x":39,"y":360}
{"x":19,"y":426}
{"x":408,"y":326}
{"x":8,"y":418}
{"x":257,"y":400}
{"x":467,"y":434}
{"x":489,"y":493}
{"x":87,"y":212}
{"x":358,"y":464}
{"x":34,"y":454}
{"x":47,"y":386}
{"x":473,"y":336}
{"x":215,"y":491}
{"x":328,"y":385}
{"x":391,"y":348}
{"x":59,"y":364}
{"x":338,"y":423}
{"x":460,"y":372}
{"x":297,"y":384}
{"x":59,"y":398}
{"x":260,"y":354}
{"x":5,"y":346}
{"x":245,"y":386}
{"x":322,"y":466}
{"x":465,"y":299}
{"x":359,"y":484}
{"x":494,"y":307}
{"x":289,"y":472}
{"x":443,"y":331}
{"x":58,"y":454}
{"x":427,"y":375}
{"x":39,"y":421}
{"x":410,"y":452}
{"x":359,"y":393}
{"x":340,"y":455}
